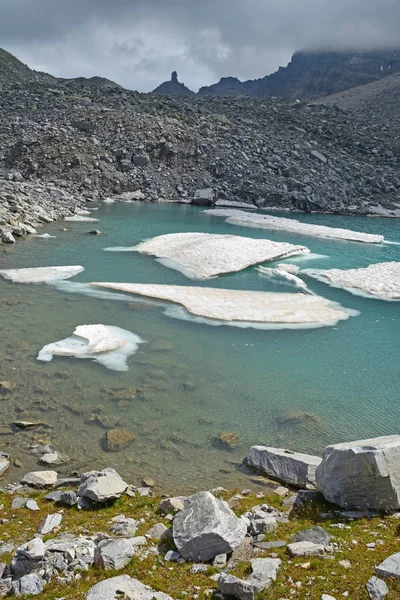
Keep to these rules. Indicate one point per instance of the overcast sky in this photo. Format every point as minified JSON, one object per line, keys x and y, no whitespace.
{"x":137,"y":43}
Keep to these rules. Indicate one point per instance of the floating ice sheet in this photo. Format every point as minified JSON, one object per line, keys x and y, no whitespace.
{"x":238,"y":306}
{"x":40,"y":274}
{"x":110,"y":346}
{"x":381,"y":280}
{"x":282,"y":276}
{"x":206,"y":255}
{"x":238,"y":217}
{"x":80,"y":219}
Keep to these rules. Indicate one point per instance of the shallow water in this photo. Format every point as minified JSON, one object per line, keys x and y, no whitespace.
{"x":299,"y":388}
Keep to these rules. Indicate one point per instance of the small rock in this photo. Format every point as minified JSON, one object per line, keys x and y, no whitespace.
{"x":101,"y":486}
{"x":317,"y":155}
{"x":316,"y":535}
{"x":148,"y":482}
{"x":227,"y":440}
{"x":198,"y":568}
{"x":377,"y":589}
{"x":123,"y":527}
{"x":157,"y":532}
{"x":68,"y":498}
{"x":28,"y":585}
{"x":50,"y":523}
{"x":113,"y":554}
{"x":117,"y":439}
{"x":305,"y":549}
{"x":18,"y":502}
{"x":220,"y":561}
{"x":171,"y":556}
{"x":173,"y":505}
{"x":32,"y":505}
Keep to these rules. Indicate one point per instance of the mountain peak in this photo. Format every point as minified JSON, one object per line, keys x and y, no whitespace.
{"x":173,"y":87}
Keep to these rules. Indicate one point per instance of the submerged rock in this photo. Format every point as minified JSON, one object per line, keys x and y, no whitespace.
{"x":117,"y":439}
{"x":227,"y":440}
{"x":206,"y":527}
{"x":290,"y":467}
{"x":110,"y":346}
{"x":362,"y":474}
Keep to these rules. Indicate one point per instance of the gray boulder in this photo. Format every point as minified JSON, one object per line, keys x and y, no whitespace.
{"x":264,"y":572}
{"x":204,"y":197}
{"x":284,"y":465}
{"x":123,"y":527}
{"x":390,"y":568}
{"x":207,"y":527}
{"x":233,"y":587}
{"x":377,"y":589}
{"x":101,"y":486}
{"x":362,"y":474}
{"x":316,"y":535}
{"x":28,"y":585}
{"x":113,"y":554}
{"x":124,"y":586}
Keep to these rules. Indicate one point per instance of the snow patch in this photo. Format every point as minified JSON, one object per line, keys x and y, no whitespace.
{"x":40,"y":274}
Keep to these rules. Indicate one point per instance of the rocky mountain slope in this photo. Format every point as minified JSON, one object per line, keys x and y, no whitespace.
{"x":13,"y":70}
{"x":173,"y":88}
{"x":311,"y":75}
{"x":378,"y":100}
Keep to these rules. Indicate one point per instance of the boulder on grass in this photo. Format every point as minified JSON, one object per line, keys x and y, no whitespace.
{"x":284,"y":465}
{"x":113,"y":554}
{"x":124,"y":587}
{"x":207,"y":527}
{"x":101,"y":486}
{"x":362,"y":475}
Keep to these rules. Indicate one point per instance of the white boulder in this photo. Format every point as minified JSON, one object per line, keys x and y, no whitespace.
{"x":290,"y":467}
{"x":364,"y":474}
{"x":124,"y":587}
{"x":40,"y":274}
{"x":39,"y":479}
{"x":110,"y":346}
{"x":101,"y":486}
{"x":207,"y":527}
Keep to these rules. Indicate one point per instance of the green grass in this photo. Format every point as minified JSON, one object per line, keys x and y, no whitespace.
{"x":302,"y":578}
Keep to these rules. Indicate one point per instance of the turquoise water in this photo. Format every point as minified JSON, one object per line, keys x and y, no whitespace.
{"x":301,"y":389}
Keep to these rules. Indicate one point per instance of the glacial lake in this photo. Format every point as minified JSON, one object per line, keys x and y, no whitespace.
{"x":297,"y":388}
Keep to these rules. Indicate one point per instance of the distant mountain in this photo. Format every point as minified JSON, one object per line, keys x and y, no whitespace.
{"x":93,"y":82}
{"x":173,"y":88}
{"x":13,"y":70}
{"x":378,"y":101}
{"x":311,"y":75}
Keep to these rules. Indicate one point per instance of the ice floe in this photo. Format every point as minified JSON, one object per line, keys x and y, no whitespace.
{"x":281,"y":276}
{"x":380,"y":280}
{"x":40,"y":274}
{"x":239,"y":306}
{"x":80,"y":219}
{"x":110,"y":346}
{"x":238,"y":217}
{"x":206,"y":255}
{"x":45,"y":236}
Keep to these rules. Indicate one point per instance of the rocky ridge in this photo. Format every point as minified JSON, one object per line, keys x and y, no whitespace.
{"x":62,"y":146}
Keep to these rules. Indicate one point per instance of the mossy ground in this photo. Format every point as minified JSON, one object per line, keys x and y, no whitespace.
{"x":302,"y":578}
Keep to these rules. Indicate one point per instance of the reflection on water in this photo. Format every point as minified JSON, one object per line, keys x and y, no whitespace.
{"x":190,"y":382}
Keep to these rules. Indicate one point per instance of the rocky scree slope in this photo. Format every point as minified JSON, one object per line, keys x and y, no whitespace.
{"x":13,"y":70}
{"x":379,"y":100}
{"x":92,"y":142}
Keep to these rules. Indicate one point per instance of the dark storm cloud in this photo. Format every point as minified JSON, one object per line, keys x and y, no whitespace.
{"x":139,"y":42}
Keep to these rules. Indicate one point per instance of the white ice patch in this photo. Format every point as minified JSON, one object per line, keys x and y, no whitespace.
{"x":380,"y":281}
{"x":283,"y":277}
{"x":110,"y":346}
{"x":45,"y":236}
{"x":207,"y":255}
{"x":80,"y":219}
{"x":121,"y":249}
{"x":237,"y":217}
{"x":40,"y":274}
{"x":85,"y":289}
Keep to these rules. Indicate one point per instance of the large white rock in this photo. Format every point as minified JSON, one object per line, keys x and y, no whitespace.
{"x":238,"y":217}
{"x":381,"y":280}
{"x":107,"y":345}
{"x":124,"y":587}
{"x":290,"y":310}
{"x":40,"y":274}
{"x":205,"y":255}
{"x":284,"y":465}
{"x":40,"y":479}
{"x":101,"y":486}
{"x":207,"y":527}
{"x":362,"y":474}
